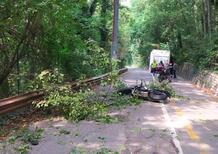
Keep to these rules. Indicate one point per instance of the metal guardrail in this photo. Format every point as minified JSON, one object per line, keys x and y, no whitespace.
{"x":97,"y":79}
{"x":16,"y":102}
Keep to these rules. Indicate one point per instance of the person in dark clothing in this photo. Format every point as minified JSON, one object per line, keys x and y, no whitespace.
{"x":160,"y":67}
{"x":174,"y":70}
{"x":170,"y":67}
{"x":161,"y":64}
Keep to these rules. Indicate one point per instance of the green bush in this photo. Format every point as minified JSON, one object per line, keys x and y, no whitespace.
{"x":83,"y":104}
{"x":59,"y":97}
{"x":119,"y":100}
{"x":74,"y":106}
{"x":163,"y":86}
{"x":119,"y":85}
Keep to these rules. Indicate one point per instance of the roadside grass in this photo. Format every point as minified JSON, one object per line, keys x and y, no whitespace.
{"x":64,"y":131}
{"x":100,"y":151}
{"x":25,"y":138}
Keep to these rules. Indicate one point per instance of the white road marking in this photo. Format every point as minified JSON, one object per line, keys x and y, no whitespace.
{"x":172,"y":130}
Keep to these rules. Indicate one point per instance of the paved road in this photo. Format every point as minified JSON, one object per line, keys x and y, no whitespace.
{"x":189,"y":125}
{"x":194,"y":117}
{"x":136,"y":74}
{"x":142,"y":131}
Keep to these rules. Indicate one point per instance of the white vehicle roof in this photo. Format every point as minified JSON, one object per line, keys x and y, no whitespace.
{"x":156,"y":52}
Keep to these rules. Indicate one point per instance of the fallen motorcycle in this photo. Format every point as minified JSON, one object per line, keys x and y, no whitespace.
{"x":143,"y":92}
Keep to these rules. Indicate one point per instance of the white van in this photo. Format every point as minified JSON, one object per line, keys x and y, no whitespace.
{"x":159,"y":55}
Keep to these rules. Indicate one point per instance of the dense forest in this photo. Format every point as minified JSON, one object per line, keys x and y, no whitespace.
{"x":189,"y":28}
{"x":71,"y":37}
{"x":74,"y":37}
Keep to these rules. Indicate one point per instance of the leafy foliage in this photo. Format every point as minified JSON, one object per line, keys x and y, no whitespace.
{"x":100,"y":151}
{"x":163,"y":86}
{"x":25,"y":138}
{"x":184,"y":27}
{"x":23,"y":149}
{"x":107,"y":119}
{"x":124,"y":100}
{"x":82,"y":104}
{"x":70,"y":36}
{"x":75,"y":106}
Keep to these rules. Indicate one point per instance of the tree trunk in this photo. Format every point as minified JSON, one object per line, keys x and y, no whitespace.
{"x":32,"y":70}
{"x":103,"y":29}
{"x":4,"y":89}
{"x":194,"y":13}
{"x":179,"y":37}
{"x":92,"y":7}
{"x":207,"y":17}
{"x":214,"y":16}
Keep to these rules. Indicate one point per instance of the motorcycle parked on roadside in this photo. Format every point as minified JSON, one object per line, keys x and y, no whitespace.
{"x":164,"y":74}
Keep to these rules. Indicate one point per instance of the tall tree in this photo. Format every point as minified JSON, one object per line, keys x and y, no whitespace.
{"x":180,"y":24}
{"x":207,"y":17}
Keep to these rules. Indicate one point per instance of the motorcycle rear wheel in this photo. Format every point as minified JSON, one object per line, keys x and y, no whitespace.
{"x":155,"y":95}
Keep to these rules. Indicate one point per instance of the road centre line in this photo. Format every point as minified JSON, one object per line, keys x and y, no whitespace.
{"x":191,"y":133}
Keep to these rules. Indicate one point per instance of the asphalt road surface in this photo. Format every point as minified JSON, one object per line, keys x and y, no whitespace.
{"x":187,"y":125}
{"x":193,"y":117}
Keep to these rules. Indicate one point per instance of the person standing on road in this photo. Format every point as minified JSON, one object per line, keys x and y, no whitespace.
{"x":160,"y":67}
{"x":153,"y":67}
{"x":161,"y":64}
{"x":174,"y":70}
